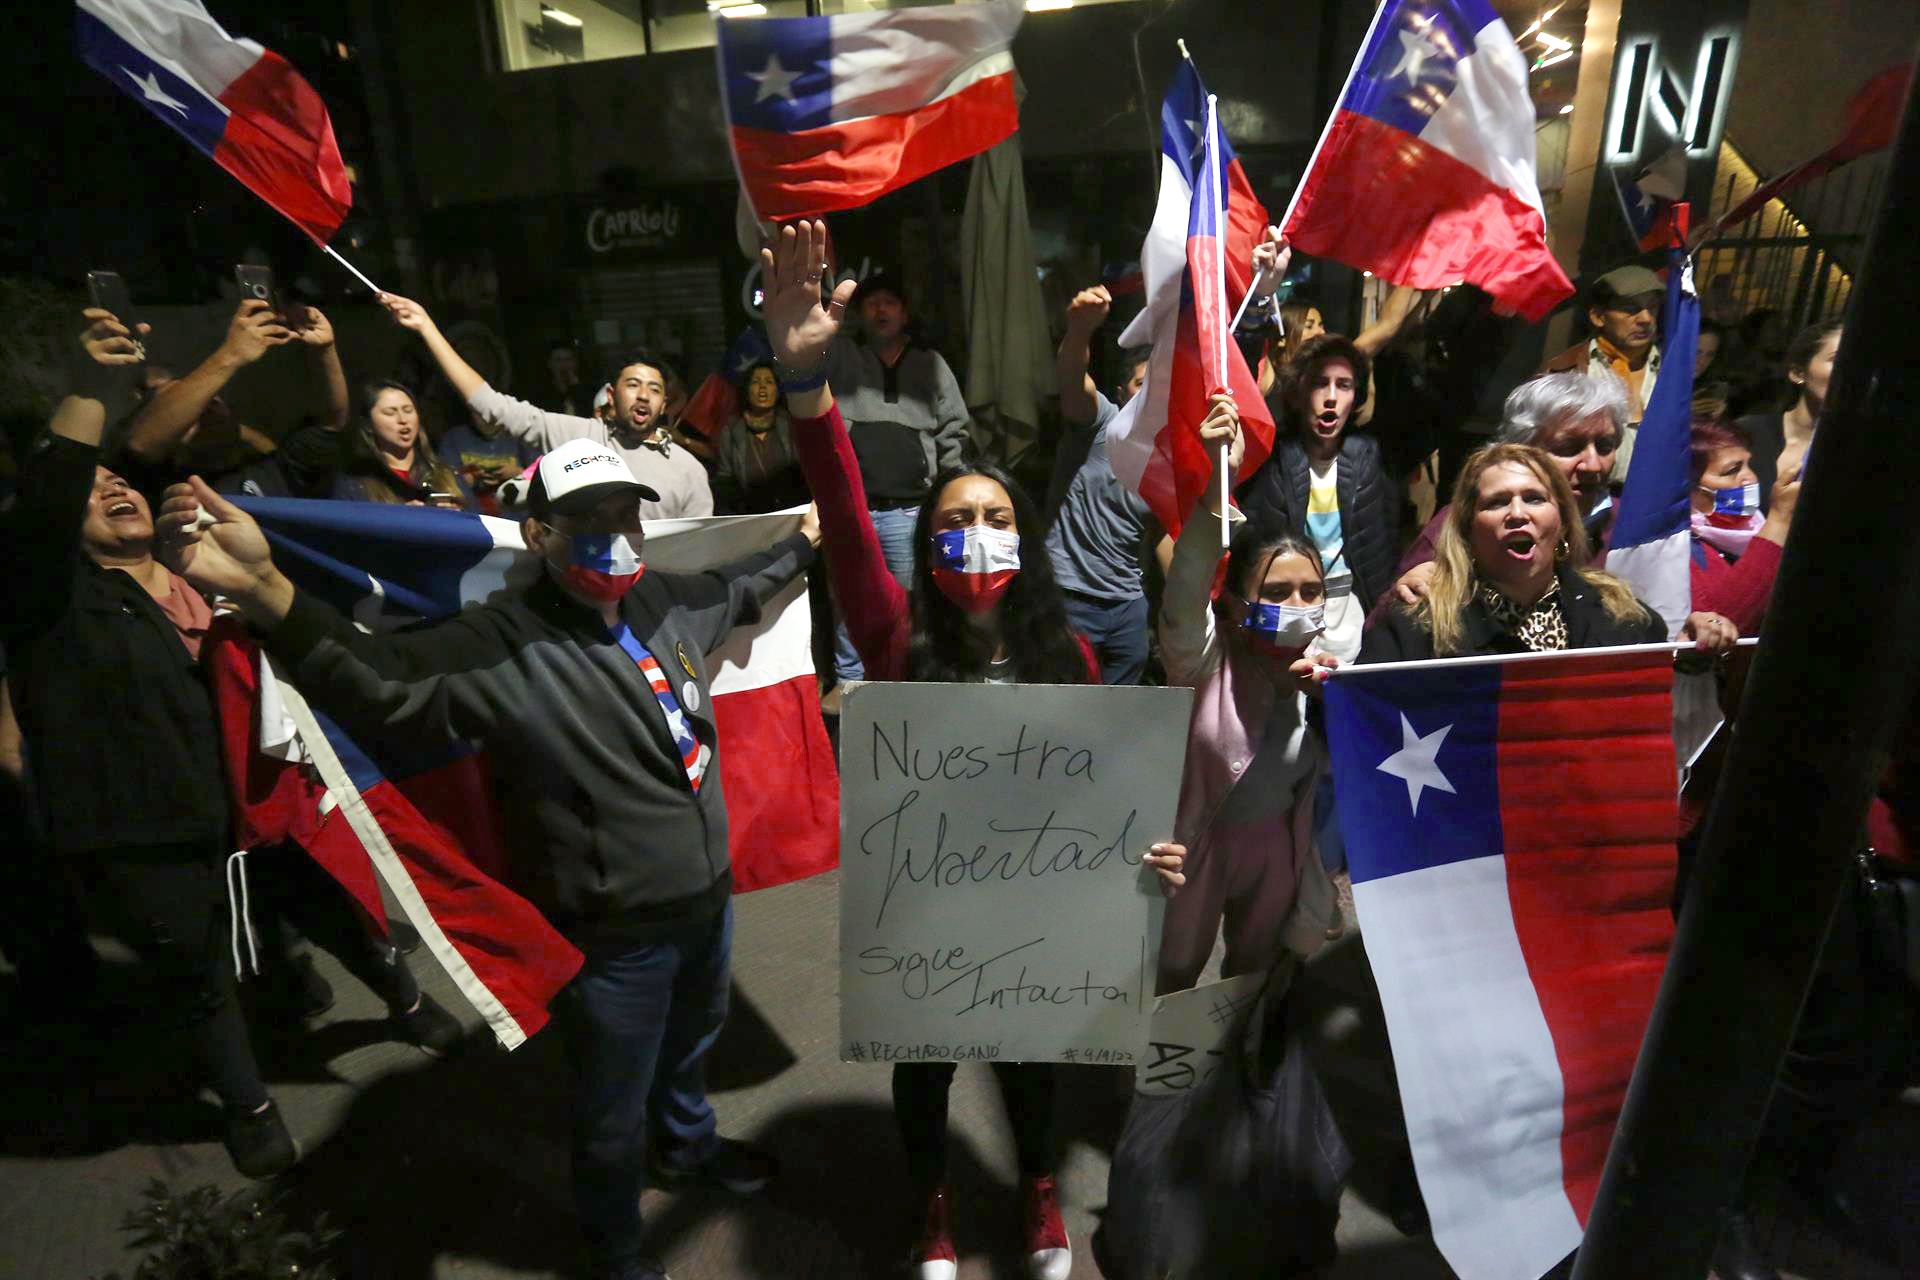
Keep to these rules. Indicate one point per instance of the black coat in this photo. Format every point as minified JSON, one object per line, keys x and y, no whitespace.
{"x":1277,"y":495}
{"x":119,"y":723}
{"x":1399,"y":636}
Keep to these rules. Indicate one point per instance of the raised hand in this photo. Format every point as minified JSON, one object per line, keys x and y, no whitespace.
{"x":317,"y":331}
{"x":799,"y":325}
{"x":406,"y":313}
{"x":1270,"y":260}
{"x":1220,"y":429}
{"x":255,"y":330}
{"x":1088,"y":310}
{"x":107,"y":342}
{"x":227,"y":556}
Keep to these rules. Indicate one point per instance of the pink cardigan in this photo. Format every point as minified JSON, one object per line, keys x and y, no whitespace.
{"x":1232,"y":703}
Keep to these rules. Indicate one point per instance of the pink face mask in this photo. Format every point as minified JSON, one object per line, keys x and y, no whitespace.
{"x":603,"y":566}
{"x":974,"y":566}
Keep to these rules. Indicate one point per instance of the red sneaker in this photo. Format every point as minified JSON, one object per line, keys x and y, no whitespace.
{"x":1049,"y":1255}
{"x":934,"y":1257}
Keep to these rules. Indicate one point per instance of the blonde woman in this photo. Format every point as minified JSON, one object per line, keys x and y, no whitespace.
{"x":1510,"y":576}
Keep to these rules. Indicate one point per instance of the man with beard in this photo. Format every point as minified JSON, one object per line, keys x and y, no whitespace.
{"x":1578,"y":419}
{"x":184,"y":426}
{"x":1101,"y":529}
{"x":636,"y":430}
{"x":1623,"y":306}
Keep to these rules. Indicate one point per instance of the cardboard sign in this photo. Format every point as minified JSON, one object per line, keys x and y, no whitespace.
{"x":1192,"y":1033}
{"x":993,"y":901}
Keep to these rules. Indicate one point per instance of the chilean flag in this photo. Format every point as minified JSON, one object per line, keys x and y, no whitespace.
{"x":1204,"y":228}
{"x":974,"y":563}
{"x":1425,"y":173}
{"x":1510,"y":830}
{"x":425,"y":825}
{"x":1652,"y":540}
{"x":833,"y":112}
{"x":241,"y":104}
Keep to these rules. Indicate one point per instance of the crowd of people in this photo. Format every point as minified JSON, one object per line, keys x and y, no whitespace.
{"x":941,"y":565}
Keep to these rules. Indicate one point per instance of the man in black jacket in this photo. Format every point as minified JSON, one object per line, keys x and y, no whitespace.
{"x":594,"y":681}
{"x":119,"y":729}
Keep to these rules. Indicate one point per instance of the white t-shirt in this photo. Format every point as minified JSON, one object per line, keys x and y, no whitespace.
{"x":1345,"y":617}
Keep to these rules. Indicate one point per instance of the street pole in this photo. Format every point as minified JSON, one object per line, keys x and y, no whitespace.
{"x":1837,"y":663}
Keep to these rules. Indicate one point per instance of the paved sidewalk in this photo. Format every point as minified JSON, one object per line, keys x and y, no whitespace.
{"x":459,"y":1168}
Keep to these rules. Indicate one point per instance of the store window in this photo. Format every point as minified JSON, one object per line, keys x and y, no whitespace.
{"x":535,"y":34}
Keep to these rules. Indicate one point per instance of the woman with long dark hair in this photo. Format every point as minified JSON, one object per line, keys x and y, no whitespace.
{"x":390,"y":457}
{"x":1779,"y":438}
{"x":983,"y":606}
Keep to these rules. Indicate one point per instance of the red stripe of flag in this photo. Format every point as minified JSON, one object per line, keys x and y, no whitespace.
{"x":1593,"y":916}
{"x":846,"y":165}
{"x":279,"y":142}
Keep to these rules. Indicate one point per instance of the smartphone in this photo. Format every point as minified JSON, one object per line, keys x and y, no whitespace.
{"x":436,"y":496}
{"x":109,"y":293}
{"x":257,"y":282}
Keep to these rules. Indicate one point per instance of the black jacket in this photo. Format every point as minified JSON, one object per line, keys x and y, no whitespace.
{"x":1277,"y":494}
{"x":607,"y":837}
{"x":1399,"y":636}
{"x":119,"y":724}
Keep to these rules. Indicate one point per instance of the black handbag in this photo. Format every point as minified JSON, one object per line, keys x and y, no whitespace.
{"x":1890,"y":916}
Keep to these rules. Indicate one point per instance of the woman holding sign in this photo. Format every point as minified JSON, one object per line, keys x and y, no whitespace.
{"x":1246,"y":804}
{"x":983,"y":607}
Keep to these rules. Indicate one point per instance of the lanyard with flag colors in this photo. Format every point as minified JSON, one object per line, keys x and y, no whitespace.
{"x":1425,"y":174}
{"x":1204,"y":227}
{"x":1510,"y":829}
{"x":241,"y":104}
{"x":427,"y":826}
{"x":693,"y":756}
{"x":832,"y":112}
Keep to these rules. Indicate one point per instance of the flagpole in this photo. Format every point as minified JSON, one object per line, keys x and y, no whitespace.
{"x":1490,"y":659}
{"x":1221,"y":335}
{"x":350,"y":267}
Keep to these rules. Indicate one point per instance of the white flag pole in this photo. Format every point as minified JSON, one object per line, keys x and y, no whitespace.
{"x":350,"y":267}
{"x":1222,"y":335}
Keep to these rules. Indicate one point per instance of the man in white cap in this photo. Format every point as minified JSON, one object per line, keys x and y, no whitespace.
{"x":593,"y":681}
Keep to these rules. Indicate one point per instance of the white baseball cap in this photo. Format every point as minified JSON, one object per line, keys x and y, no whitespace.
{"x":579,"y":475}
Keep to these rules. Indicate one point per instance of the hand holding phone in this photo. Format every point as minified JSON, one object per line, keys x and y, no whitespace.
{"x":108,"y":292}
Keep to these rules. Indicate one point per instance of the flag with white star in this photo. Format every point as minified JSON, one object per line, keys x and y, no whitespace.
{"x":242,"y":105}
{"x":1510,"y":828}
{"x":832,"y":112}
{"x":1425,"y":173}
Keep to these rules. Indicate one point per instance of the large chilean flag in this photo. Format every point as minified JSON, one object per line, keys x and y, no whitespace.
{"x":241,"y":104}
{"x":833,"y":112}
{"x":1425,"y":173}
{"x":1510,"y":830}
{"x":1197,"y":264}
{"x":424,"y":825}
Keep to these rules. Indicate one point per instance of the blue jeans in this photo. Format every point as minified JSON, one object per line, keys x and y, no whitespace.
{"x":1117,"y":630}
{"x":895,"y":527}
{"x":639,"y":1020}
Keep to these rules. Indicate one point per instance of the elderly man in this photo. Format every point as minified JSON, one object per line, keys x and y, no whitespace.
{"x":593,"y":679}
{"x":1579,"y":419}
{"x":1623,"y":306}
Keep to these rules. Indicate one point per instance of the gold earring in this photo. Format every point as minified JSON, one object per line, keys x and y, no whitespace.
{"x":1561,"y":552}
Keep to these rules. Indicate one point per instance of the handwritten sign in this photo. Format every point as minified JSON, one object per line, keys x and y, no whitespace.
{"x":1193,"y":1032}
{"x":993,"y":901}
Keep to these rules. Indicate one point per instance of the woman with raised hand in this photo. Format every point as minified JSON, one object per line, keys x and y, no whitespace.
{"x":983,"y":608}
{"x":1246,"y":805}
{"x":1780,"y":438}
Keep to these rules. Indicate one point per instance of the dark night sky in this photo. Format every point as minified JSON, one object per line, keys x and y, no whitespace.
{"x":92,"y":180}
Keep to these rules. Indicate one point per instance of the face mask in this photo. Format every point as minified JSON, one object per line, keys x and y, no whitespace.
{"x":602,"y":566}
{"x":974,"y":566}
{"x":1279,"y":629}
{"x":1735,"y":504}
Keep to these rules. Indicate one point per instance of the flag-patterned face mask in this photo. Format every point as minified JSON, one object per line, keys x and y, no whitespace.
{"x":1283,"y":630}
{"x":602,"y":566}
{"x":1734,"y":506}
{"x":974,"y":566}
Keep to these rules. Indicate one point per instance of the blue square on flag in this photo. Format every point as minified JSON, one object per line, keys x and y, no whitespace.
{"x":777,"y":74}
